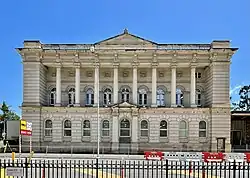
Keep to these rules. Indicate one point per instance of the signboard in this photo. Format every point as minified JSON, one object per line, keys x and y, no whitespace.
{"x":14,"y":171}
{"x":25,"y":128}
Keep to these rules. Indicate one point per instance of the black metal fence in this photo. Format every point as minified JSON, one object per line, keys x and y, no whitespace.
{"x":99,"y":168}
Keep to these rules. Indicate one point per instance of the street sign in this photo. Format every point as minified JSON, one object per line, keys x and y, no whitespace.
{"x":14,"y":171}
{"x":25,"y":128}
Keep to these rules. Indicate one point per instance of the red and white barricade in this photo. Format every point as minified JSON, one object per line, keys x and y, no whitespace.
{"x":212,"y":157}
{"x":234,"y":157}
{"x":172,"y":156}
{"x":153,"y":155}
{"x":247,"y":157}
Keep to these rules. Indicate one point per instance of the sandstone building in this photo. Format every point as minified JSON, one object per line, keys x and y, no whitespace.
{"x":151,"y":96}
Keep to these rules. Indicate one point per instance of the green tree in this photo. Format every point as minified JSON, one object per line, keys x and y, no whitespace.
{"x":244,"y":101}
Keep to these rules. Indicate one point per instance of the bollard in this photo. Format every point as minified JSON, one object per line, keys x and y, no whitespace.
{"x":13,"y":155}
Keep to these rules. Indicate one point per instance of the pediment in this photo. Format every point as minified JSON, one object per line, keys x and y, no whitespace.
{"x":124,"y":105}
{"x":126,"y":39}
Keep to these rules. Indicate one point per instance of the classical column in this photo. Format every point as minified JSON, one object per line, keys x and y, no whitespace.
{"x":135,"y":131}
{"x":154,"y":86}
{"x":77,"y":86}
{"x":96,"y":92}
{"x":173,"y":86}
{"x":192,"y":86}
{"x":115,"y":133}
{"x":135,"y":84}
{"x":58,"y":86}
{"x":115,"y":84}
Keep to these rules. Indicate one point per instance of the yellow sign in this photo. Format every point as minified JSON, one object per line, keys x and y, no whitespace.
{"x":23,"y":125}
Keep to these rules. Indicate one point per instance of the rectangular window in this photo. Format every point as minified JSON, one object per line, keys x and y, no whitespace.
{"x":86,"y":133}
{"x":144,"y":133}
{"x":140,"y":99}
{"x":67,"y":133}
{"x":48,"y":132}
{"x":105,"y":133}
{"x":163,"y":133}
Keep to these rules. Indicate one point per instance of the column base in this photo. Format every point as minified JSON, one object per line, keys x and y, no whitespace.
{"x":58,"y":104}
{"x":154,"y":106}
{"x":115,"y":147}
{"x":173,"y":106}
{"x":77,"y":105}
{"x":193,"y":106}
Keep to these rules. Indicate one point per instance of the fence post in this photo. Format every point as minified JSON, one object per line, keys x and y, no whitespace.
{"x":203,"y":170}
{"x":26,"y":167}
{"x":234,"y":169}
{"x":97,"y":167}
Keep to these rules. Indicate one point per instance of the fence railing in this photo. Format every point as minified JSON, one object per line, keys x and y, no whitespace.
{"x":100,"y":168}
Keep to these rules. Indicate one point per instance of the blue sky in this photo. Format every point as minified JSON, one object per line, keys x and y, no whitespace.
{"x":82,"y":21}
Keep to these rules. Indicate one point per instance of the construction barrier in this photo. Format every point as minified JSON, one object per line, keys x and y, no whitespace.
{"x":247,"y":157}
{"x":234,"y":157}
{"x":213,"y":157}
{"x":183,"y":156}
{"x":153,"y":155}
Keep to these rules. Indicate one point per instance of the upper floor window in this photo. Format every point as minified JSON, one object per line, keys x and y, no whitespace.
{"x":125,"y":95}
{"x":71,"y":95}
{"x":90,"y":97}
{"x":202,"y":129}
{"x":183,"y":129}
{"x":143,"y":97}
{"x":197,"y":75}
{"x":107,"y":96}
{"x":105,"y":128}
{"x":144,"y":128}
{"x":179,"y":97}
{"x":160,"y":97}
{"x":48,"y":128}
{"x":198,"y":97}
{"x":86,"y":128}
{"x":52,"y":98}
{"x":67,"y":128}
{"x":163,"y":129}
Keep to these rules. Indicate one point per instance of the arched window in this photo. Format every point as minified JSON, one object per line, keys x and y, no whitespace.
{"x":202,"y":129}
{"x":67,"y":128}
{"x":105,"y":128}
{"x":163,"y":129}
{"x":52,"y":98}
{"x":90,"y":97}
{"x":179,"y":97}
{"x":86,"y":128}
{"x":160,"y":97}
{"x":48,"y":128}
{"x":125,"y":95}
{"x":183,"y":129}
{"x":198,"y":97}
{"x":124,"y":128}
{"x":107,"y":96}
{"x":144,"y":128}
{"x":143,"y":97}
{"x":71,"y":95}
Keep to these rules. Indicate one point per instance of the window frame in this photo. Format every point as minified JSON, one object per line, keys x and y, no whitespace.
{"x":52,"y":93}
{"x":107,"y":94}
{"x":67,"y":128}
{"x":179,"y":97}
{"x":184,"y":130}
{"x":198,"y":97}
{"x":163,"y":129}
{"x":142,"y":97}
{"x":125,"y":95}
{"x":160,"y":101}
{"x":146,"y":130}
{"x":71,"y":95}
{"x":86,"y":129}
{"x":105,"y":129}
{"x":125,"y":128}
{"x":50,"y":129}
{"x":203,"y":129}
{"x":90,"y":97}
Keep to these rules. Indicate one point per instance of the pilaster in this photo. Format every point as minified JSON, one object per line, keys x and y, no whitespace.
{"x":192,"y":85}
{"x":154,"y":84}
{"x":135,"y":65}
{"x":173,"y":84}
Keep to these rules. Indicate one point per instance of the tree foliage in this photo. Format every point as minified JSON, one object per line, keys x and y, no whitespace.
{"x":244,"y":102}
{"x":7,"y":113}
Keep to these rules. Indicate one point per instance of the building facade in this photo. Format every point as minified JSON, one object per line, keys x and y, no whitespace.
{"x":150,"y":96}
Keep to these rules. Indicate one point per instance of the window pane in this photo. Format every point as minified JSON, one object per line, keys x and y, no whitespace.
{"x":163,"y":125}
{"x":144,"y":133}
{"x":48,"y":132}
{"x":105,"y":133}
{"x":163,"y":133}
{"x":144,"y":125}
{"x":48,"y":124}
{"x":202,"y":133}
{"x":86,"y":124}
{"x":86,"y":132}
{"x":202,"y":125}
{"x":125,"y":124}
{"x":67,"y":133}
{"x":67,"y":124}
{"x":182,"y":125}
{"x":105,"y":124}
{"x":182,"y":133}
{"x":124,"y":132}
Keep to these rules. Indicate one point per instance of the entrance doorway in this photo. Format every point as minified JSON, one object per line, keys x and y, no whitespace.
{"x":125,"y":136}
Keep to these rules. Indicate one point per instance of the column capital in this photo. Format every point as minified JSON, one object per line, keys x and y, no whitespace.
{"x":96,"y":65}
{"x":173,"y":65}
{"x":77,"y":64}
{"x":116,"y":65}
{"x":193,"y":65}
{"x":154,"y":64}
{"x":135,"y":65}
{"x":58,"y":65}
